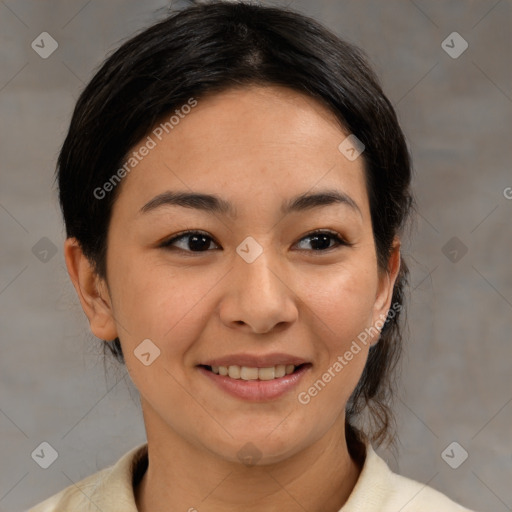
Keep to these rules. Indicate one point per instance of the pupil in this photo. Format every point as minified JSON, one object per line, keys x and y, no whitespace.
{"x":203,"y":244}
{"x":322,"y":238}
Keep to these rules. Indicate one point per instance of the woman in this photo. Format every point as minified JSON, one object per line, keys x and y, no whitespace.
{"x":235,"y":186}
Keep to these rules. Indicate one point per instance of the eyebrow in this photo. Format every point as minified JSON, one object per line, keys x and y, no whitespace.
{"x":212,"y":203}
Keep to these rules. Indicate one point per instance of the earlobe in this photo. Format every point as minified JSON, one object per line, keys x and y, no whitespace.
{"x":91,"y":290}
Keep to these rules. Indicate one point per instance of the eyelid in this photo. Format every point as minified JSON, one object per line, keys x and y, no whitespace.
{"x":340,"y":239}
{"x":167,"y":241}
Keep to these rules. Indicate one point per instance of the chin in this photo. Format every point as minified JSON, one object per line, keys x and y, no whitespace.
{"x":263,"y":446}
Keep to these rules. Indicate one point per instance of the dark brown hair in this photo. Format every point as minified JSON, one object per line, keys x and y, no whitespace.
{"x":206,"y":49}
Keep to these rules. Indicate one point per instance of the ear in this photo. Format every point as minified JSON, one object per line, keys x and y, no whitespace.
{"x":384,"y":296}
{"x":91,"y":290}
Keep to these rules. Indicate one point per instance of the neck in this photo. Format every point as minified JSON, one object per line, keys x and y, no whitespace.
{"x":180,"y":476}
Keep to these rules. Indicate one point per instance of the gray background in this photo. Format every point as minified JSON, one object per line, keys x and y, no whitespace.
{"x":456,"y":113}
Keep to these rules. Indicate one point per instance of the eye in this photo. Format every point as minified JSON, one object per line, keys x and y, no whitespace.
{"x":321,"y":239}
{"x":197,"y":241}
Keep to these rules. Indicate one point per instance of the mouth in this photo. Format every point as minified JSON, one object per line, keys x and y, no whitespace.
{"x":254,"y":373}
{"x":255,"y":384}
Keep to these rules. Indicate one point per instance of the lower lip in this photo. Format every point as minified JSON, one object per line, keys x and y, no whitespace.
{"x":257,"y":390}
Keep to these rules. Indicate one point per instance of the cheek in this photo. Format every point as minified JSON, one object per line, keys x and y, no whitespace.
{"x":342,"y":304}
{"x":342,"y":309}
{"x":163,"y":304}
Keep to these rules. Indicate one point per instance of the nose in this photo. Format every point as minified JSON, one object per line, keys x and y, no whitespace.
{"x":258,"y":297}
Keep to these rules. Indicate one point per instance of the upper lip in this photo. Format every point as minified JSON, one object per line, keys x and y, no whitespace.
{"x":255,"y":361}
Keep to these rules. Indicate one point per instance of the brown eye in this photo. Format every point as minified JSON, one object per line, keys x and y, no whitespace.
{"x":321,"y":240}
{"x":194,"y":241}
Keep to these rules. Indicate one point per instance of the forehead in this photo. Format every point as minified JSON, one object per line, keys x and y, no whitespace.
{"x":249,"y":119}
{"x":247,"y":144}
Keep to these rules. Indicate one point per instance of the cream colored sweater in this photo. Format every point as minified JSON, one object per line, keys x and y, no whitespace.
{"x":378,"y":489}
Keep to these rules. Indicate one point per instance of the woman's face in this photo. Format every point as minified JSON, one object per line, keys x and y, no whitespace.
{"x":257,"y":291}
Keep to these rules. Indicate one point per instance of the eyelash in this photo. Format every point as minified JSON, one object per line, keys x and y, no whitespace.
{"x":335,"y":236}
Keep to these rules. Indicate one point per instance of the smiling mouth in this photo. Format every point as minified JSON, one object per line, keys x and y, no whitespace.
{"x":252,"y":373}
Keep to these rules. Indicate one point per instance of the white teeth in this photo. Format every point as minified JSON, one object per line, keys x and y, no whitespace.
{"x":280,"y":371}
{"x":234,"y":371}
{"x":249,"y":373}
{"x":266,"y":373}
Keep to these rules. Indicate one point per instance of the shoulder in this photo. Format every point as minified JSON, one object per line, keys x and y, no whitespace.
{"x":75,"y":497}
{"x":106,"y":490}
{"x":408,"y":495}
{"x":378,"y":489}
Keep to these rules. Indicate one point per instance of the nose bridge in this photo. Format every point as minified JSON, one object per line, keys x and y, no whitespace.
{"x":257,"y":263}
{"x":259,"y":298}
